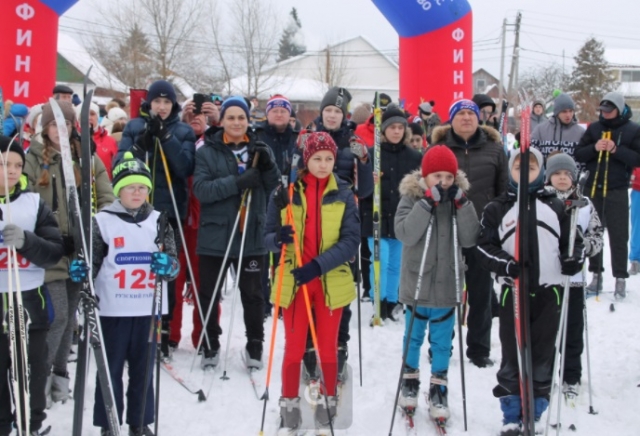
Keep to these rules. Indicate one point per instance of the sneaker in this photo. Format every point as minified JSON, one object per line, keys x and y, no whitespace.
{"x":596,"y":284}
{"x":322,"y":417}
{"x":290,"y":415}
{"x":410,"y":388}
{"x":482,"y":362}
{"x":343,"y":355}
{"x":309,"y":366}
{"x":570,"y":392}
{"x":621,"y":289}
{"x":210,"y":359}
{"x":253,"y":354}
{"x":438,"y":403}
{"x":140,"y":431}
{"x":60,"y":391}
{"x":512,"y":429}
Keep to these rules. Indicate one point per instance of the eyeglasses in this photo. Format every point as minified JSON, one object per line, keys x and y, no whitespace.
{"x":131,"y":189}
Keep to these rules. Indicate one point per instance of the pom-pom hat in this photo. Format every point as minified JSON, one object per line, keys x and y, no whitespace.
{"x":129,"y":171}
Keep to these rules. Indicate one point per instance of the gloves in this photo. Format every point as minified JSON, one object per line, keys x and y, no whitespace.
{"x":164,"y":266}
{"x":434,"y":196}
{"x":143,"y":144}
{"x":13,"y":236}
{"x":78,"y":270}
{"x":306,"y":273}
{"x":265,"y":163}
{"x":158,"y":128}
{"x":570,"y":265}
{"x":249,"y":179}
{"x":457,"y":196}
{"x":285,"y":236}
{"x":512,"y":269}
{"x":281,"y":197}
{"x":358,"y":148}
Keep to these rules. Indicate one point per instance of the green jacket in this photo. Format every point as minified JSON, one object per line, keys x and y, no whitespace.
{"x":54,"y":195}
{"x":339,"y":243}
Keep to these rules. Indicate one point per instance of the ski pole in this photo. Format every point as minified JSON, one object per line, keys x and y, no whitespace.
{"x":358,"y":273}
{"x":155,"y":326}
{"x":274,"y":329}
{"x":305,"y":293}
{"x":586,"y":335}
{"x":182,"y":238}
{"x":414,"y":307}
{"x":223,"y":269}
{"x":456,"y":262}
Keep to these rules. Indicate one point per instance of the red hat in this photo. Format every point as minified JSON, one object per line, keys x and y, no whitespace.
{"x":439,"y":158}
{"x":318,"y":141}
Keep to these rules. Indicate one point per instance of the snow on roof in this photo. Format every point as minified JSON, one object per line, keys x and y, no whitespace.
{"x":182,"y":85}
{"x":80,"y":58}
{"x":295,"y":89}
{"x":623,"y":57}
{"x":629,"y":89}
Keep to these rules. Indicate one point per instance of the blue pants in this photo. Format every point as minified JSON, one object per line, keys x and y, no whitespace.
{"x":441,"y":322}
{"x":126,"y":339}
{"x":390,"y":261}
{"x":634,"y":240}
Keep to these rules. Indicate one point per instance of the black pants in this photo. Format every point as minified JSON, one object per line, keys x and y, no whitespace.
{"x":544,"y":316}
{"x":616,"y":220}
{"x":37,"y":358}
{"x":479,"y":289}
{"x":575,"y":342}
{"x":250,"y":287}
{"x":365,"y":264}
{"x":266,"y":285}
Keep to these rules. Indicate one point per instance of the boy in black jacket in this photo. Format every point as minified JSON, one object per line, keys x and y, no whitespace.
{"x":549,"y":261}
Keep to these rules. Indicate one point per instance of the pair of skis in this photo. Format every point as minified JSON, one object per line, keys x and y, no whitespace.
{"x":377,"y":211}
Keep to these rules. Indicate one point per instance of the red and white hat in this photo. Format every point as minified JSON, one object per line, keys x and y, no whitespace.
{"x":318,"y":141}
{"x":278,"y":100}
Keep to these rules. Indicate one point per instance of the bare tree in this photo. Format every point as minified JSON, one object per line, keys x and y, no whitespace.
{"x":541,"y":82}
{"x":332,"y":66}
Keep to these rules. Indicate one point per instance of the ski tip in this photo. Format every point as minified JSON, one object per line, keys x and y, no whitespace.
{"x":201,"y":396}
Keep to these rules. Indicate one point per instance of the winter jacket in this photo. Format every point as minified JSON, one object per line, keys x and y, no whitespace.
{"x":396,"y":161}
{"x":438,"y":286}
{"x":635,"y":184}
{"x":345,"y":161}
{"x":214,"y":184}
{"x":44,"y":248}
{"x":536,"y":120}
{"x":552,"y":135}
{"x":283,"y":145}
{"x":339,"y":241}
{"x":54,"y":195}
{"x":179,"y":150}
{"x":626,"y":134}
{"x":548,"y":238}
{"x":482,"y":159}
{"x":366,"y":131}
{"x":106,"y":148}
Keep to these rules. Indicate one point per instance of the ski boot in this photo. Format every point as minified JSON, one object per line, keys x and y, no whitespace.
{"x":210,"y":359}
{"x":570,"y":392}
{"x":438,"y":404}
{"x":621,"y":289}
{"x":60,"y":391}
{"x":310,"y":372}
{"x":595,"y":285}
{"x":321,"y":417}
{"x":540,"y":405}
{"x":140,"y":431}
{"x":290,"y":416}
{"x":343,"y":355}
{"x":511,"y":410}
{"x":408,"y":399}
{"x":634,"y":268}
{"x":253,"y":354}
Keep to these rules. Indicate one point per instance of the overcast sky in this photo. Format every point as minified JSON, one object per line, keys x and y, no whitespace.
{"x":548,"y":26}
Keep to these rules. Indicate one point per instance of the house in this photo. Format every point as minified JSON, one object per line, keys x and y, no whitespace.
{"x":486,"y":83}
{"x":625,"y":65}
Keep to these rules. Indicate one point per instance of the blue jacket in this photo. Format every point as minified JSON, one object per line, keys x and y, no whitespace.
{"x":179,"y":150}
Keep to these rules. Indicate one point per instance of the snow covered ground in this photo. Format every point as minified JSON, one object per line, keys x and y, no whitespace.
{"x":233,"y":409}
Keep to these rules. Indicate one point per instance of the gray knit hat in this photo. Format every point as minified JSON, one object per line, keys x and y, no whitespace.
{"x":563,"y":102}
{"x":614,"y":97}
{"x":536,"y":153}
{"x":559,"y":162}
{"x":338,"y":97}
{"x":393,"y":114}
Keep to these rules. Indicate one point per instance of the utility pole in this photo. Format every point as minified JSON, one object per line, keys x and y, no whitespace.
{"x":504,"y":37}
{"x":516,"y":55}
{"x":327,"y":72}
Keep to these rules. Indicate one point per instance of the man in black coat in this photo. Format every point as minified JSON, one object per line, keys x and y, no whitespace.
{"x":610,"y":162}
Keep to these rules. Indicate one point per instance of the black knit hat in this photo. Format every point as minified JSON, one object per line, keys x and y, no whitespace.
{"x":162,"y":88}
{"x":6,"y":143}
{"x":338,"y":97}
{"x":416,"y":129}
{"x":393,"y":114}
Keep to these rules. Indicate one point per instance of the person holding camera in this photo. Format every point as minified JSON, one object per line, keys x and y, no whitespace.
{"x":158,"y":138}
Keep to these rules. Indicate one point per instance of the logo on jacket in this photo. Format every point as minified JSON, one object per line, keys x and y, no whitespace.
{"x":252,"y":267}
{"x":510,"y":223}
{"x":118,"y":242}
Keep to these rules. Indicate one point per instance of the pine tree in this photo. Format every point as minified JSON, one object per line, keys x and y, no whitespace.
{"x":591,"y":79}
{"x":291,"y":43}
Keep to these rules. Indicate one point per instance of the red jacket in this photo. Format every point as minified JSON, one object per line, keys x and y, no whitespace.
{"x":366,"y":131}
{"x":313,"y":223}
{"x":106,"y":148}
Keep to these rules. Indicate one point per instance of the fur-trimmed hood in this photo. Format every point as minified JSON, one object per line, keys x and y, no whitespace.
{"x":439,"y":134}
{"x":413,"y":184}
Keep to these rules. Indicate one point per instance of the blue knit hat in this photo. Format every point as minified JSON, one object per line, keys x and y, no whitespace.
{"x":237,"y":101}
{"x":459,"y":105}
{"x":162,"y":88}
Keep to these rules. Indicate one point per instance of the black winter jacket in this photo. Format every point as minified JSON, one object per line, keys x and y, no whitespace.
{"x":283,"y":144}
{"x":396,"y":161}
{"x":626,"y":134}
{"x":44,"y":248}
{"x":179,"y":148}
{"x":482,"y":159}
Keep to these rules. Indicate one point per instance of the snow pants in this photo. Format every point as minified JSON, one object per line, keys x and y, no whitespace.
{"x":390,"y":264}
{"x":634,"y":241}
{"x":126,"y":339}
{"x":479,"y":291}
{"x":440,"y":322}
{"x":575,"y":331}
{"x":544,"y":316}
{"x":65,"y":296}
{"x":616,"y":220}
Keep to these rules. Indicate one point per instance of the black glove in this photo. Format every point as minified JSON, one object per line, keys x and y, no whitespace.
{"x":69,"y":245}
{"x":265,"y":163}
{"x":143,"y":144}
{"x":158,"y":128}
{"x":285,"y":236}
{"x":281,"y":197}
{"x":570,"y":265}
{"x":248,"y":180}
{"x":306,"y":273}
{"x":512,"y":269}
{"x":457,"y":196}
